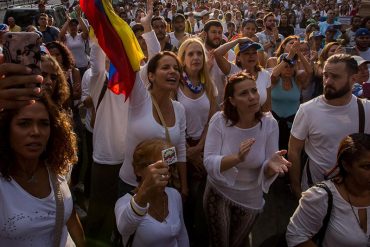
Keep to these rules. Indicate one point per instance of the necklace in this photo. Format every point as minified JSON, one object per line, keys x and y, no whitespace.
{"x":161,"y":215}
{"x":195,"y":89}
{"x":31,"y":178}
{"x":353,"y":211}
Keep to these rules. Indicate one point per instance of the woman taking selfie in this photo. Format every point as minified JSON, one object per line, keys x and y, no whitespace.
{"x":151,"y":214}
{"x":37,"y":149}
{"x":242,"y":159}
{"x":349,"y":223}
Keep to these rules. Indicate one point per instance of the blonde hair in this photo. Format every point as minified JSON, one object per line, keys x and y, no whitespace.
{"x":205,"y":77}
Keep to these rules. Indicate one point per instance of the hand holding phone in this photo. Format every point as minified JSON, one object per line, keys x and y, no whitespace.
{"x":17,"y":86}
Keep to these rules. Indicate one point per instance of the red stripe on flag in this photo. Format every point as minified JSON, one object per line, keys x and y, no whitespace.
{"x":112,"y":45}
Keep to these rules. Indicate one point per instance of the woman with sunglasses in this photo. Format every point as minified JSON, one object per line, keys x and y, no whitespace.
{"x":242,"y":159}
{"x":246,"y":60}
{"x":349,"y":223}
{"x":287,"y":82}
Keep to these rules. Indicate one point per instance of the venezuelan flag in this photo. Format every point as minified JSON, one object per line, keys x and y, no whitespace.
{"x":118,"y":42}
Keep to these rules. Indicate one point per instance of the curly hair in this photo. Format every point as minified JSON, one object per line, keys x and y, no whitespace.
{"x":68,"y":61}
{"x":61,"y":149}
{"x":61,"y":95}
{"x":230,"y":112}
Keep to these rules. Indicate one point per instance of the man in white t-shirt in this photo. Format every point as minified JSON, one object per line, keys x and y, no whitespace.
{"x":178,"y":22}
{"x":321,"y":123}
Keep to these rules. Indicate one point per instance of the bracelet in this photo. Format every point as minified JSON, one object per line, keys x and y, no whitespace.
{"x":139,"y":211}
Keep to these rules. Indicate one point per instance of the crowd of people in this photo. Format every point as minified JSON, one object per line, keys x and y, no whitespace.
{"x":247,"y":125}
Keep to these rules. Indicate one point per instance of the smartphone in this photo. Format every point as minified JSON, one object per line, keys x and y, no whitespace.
{"x":23,"y":48}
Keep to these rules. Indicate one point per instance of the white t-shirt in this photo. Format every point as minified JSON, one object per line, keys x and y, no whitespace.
{"x":109,"y":129}
{"x":85,"y":92}
{"x":245,"y":183}
{"x":77,"y":46}
{"x":150,"y":232}
{"x":196,"y":111}
{"x":323,"y":126}
{"x":142,"y":126}
{"x":26,"y":220}
{"x":365,"y":54}
{"x":263,"y":81}
{"x":343,"y":229}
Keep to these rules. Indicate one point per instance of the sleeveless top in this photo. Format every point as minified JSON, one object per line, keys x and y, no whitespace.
{"x":285,"y":103}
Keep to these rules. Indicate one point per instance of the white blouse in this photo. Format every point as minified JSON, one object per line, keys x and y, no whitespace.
{"x":148,"y":231}
{"x":343,"y":229}
{"x":244,"y":183}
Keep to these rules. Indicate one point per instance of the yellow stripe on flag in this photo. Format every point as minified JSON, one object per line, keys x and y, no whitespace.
{"x":132,"y":47}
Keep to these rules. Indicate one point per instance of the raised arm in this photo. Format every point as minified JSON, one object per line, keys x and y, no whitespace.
{"x":220,"y":52}
{"x":63,"y":31}
{"x":81,"y":23}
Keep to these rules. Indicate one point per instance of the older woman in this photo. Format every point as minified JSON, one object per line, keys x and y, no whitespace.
{"x":246,"y":59}
{"x":36,"y":150}
{"x":151,"y":214}
{"x":242,"y":159}
{"x":350,"y":210}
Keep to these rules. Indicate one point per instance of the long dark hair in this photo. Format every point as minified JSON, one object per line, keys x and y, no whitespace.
{"x":230,"y":112}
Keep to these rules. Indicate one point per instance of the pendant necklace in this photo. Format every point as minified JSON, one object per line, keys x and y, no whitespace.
{"x":354,"y":213}
{"x":195,"y":89}
{"x":159,"y":215}
{"x":31,"y":178}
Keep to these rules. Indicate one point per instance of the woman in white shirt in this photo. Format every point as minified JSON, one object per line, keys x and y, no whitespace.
{"x":246,"y":59}
{"x":162,"y":72}
{"x":76,"y":41}
{"x":349,"y":223}
{"x":242,"y":159}
{"x":37,"y":149}
{"x":197,"y":95}
{"x":151,"y":214}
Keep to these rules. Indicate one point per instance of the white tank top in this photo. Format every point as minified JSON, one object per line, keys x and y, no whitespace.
{"x":196,"y":111}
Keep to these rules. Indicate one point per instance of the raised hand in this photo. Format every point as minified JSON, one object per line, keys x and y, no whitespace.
{"x":278,"y":164}
{"x":146,"y":19}
{"x":245,"y":147}
{"x":78,"y":11}
{"x":18,"y":87}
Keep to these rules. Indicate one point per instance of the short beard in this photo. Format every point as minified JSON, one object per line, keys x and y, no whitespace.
{"x":212,"y":45}
{"x":330,"y":95}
